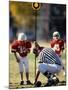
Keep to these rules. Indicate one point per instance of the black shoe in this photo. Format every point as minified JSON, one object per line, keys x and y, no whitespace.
{"x":22,"y":83}
{"x":29,"y":83}
{"x":52,"y":82}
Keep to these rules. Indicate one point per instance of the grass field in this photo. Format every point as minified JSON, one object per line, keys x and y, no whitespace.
{"x":14,"y":76}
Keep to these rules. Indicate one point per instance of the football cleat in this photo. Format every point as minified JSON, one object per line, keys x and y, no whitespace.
{"x":29,"y":83}
{"x":22,"y":83}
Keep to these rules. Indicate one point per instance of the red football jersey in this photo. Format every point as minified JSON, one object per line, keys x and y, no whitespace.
{"x":22,"y":47}
{"x":58,"y":45}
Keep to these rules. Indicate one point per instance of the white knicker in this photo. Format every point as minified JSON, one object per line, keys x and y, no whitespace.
{"x":52,"y":68}
{"x":23,"y":62}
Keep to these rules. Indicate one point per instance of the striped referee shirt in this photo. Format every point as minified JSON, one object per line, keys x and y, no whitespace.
{"x":47,"y":55}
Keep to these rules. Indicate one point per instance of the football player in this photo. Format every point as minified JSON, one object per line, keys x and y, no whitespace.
{"x":57,"y":43}
{"x":21,"y":48}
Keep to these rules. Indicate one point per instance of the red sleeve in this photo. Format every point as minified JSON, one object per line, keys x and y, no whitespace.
{"x":52,"y":42}
{"x":14,"y":46}
{"x":61,"y":42}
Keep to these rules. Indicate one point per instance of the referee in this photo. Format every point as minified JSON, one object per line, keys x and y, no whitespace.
{"x":49,"y":64}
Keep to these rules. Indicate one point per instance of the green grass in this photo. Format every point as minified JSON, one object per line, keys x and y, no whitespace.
{"x":14,"y":75}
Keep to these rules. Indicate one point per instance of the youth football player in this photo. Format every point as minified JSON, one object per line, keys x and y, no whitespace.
{"x":21,"y":48}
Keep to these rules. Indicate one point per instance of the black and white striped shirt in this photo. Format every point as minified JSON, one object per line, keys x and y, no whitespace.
{"x":47,"y":55}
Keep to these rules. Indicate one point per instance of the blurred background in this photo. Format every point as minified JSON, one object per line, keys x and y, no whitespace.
{"x":50,"y":18}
